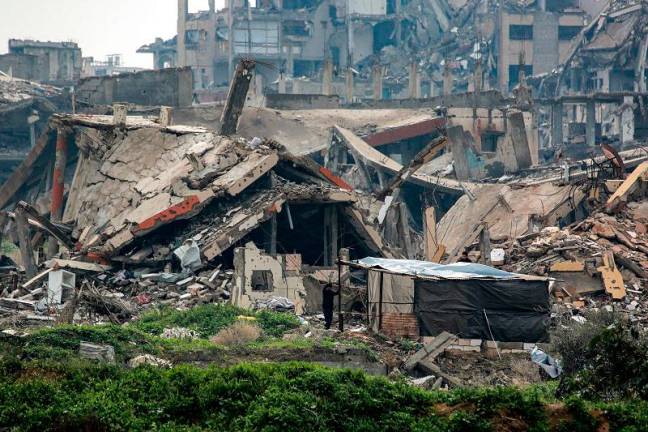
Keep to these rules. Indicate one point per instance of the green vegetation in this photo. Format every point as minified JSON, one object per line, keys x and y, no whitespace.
{"x":209,"y":319}
{"x":613,"y":365}
{"x":61,"y":343}
{"x":277,"y":397}
{"x":6,"y":247}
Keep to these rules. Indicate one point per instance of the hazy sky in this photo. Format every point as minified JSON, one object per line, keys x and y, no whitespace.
{"x":100,"y":27}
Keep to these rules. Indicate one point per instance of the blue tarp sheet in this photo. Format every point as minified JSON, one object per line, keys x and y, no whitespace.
{"x":460,"y":270}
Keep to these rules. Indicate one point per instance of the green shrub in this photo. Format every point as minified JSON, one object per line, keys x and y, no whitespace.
{"x":59,"y":342}
{"x":268,"y":397}
{"x":209,"y":319}
{"x":616,"y":365}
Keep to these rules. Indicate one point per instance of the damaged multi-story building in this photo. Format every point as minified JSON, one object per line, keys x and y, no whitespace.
{"x":316,"y":39}
{"x":57,"y":63}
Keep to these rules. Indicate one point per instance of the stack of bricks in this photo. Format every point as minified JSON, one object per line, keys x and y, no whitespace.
{"x":466,"y":345}
{"x":396,"y":324}
{"x":491,"y":347}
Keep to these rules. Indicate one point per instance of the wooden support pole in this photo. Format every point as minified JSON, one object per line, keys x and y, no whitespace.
{"x":325,"y":237}
{"x":333,"y":210}
{"x":343,"y":276}
{"x":380,"y":302}
{"x":24,"y":240}
{"x":429,"y":224}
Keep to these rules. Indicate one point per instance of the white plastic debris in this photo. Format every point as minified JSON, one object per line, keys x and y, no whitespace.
{"x":189,"y":256}
{"x":497,"y":256}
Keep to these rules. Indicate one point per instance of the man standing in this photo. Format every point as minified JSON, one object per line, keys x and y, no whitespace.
{"x":328,"y":300}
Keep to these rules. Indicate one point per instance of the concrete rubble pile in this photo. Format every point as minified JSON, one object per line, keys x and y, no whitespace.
{"x":14,"y":90}
{"x":600,"y":262}
{"x":152,"y":215}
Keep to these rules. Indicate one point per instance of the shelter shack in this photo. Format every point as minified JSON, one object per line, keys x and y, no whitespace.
{"x":473,"y":301}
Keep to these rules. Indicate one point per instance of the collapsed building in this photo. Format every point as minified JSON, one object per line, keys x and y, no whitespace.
{"x":25,"y":108}
{"x":174,"y":205}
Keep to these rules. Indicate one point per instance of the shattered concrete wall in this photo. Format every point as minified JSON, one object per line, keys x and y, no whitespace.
{"x":24,"y":66}
{"x":286,"y":279}
{"x":480,"y":120}
{"x":170,"y":87}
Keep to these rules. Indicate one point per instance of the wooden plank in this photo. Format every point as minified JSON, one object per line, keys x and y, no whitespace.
{"x":430,"y":234}
{"x":78,"y":265}
{"x":443,"y":340}
{"x":568,"y":266}
{"x":22,"y":173}
{"x":36,"y":278}
{"x":626,"y":187}
{"x":612,"y":278}
{"x":46,"y":225}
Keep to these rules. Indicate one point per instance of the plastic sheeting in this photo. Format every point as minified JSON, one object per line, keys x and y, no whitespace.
{"x":502,"y":310}
{"x":444,"y":271}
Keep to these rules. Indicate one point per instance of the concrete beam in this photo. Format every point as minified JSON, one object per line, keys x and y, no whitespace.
{"x":590,"y":124}
{"x":557,"y":124}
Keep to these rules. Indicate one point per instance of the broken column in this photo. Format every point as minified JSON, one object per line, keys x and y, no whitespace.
{"x":327,"y":78}
{"x":377,"y":82}
{"x":590,"y":123}
{"x":517,"y":131}
{"x":447,"y":79}
{"x":236,"y":97}
{"x":349,"y":86}
{"x":166,"y":114}
{"x":58,"y":184}
{"x":626,"y":121}
{"x":478,"y":77}
{"x":120,"y":114}
{"x":457,"y":141}
{"x":557,"y":124}
{"x":414,"y":87}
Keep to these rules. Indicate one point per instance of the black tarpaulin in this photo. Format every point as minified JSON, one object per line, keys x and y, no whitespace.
{"x":516,"y":310}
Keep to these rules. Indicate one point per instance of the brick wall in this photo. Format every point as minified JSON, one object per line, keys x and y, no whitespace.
{"x":400,"y":325}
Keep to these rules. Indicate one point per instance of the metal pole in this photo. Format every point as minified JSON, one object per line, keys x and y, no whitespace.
{"x":380,"y":303}
{"x":340,"y":315}
{"x":368,"y":302}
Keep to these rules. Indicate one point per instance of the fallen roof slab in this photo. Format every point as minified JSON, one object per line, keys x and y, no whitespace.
{"x":376,"y":159}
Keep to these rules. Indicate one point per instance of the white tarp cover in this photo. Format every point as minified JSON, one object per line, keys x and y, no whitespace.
{"x":461,"y":270}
